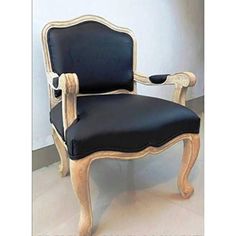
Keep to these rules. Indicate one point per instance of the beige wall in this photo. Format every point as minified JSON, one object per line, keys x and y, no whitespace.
{"x":169,"y":35}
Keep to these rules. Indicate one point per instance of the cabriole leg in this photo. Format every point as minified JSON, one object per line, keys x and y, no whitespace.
{"x":79,"y":172}
{"x":64,"y":165}
{"x":191,"y":149}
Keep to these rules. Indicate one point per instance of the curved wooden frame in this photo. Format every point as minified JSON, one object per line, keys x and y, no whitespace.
{"x":80,"y":173}
{"x":69,"y":84}
{"x":181,"y":80}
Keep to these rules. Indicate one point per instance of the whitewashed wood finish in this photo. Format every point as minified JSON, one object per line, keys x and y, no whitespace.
{"x":181,"y":80}
{"x":62,"y":151}
{"x":191,"y":150}
{"x":69,"y":84}
{"x":79,"y":170}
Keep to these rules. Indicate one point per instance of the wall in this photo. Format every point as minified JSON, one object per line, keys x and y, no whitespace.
{"x":169,"y":35}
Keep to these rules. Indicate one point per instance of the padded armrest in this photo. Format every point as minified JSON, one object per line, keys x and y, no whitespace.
{"x":53,"y":80}
{"x":181,"y":80}
{"x":158,"y":79}
{"x":184,"y":79}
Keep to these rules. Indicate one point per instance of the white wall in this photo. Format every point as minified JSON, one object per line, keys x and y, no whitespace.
{"x":169,"y":35}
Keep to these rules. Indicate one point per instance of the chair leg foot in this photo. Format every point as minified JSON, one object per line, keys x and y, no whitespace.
{"x":63,"y":169}
{"x":64,"y":165}
{"x":191,"y":149}
{"x":79,"y":172}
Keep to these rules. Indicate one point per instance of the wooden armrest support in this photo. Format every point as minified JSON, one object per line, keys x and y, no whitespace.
{"x":69,"y":85}
{"x":184,"y":79}
{"x":181,"y":80}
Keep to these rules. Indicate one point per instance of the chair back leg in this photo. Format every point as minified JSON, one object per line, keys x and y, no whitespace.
{"x":191,"y":149}
{"x":64,"y":165}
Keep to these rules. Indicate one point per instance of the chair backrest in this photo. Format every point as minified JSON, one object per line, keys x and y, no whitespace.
{"x":100,"y":53}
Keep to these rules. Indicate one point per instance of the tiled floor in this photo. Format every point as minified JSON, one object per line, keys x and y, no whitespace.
{"x":129,"y":198}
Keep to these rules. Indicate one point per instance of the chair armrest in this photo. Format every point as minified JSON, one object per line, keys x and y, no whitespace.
{"x":68,"y":83}
{"x":184,"y":79}
{"x":181,"y":80}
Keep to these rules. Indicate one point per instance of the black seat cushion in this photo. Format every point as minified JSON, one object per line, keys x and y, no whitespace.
{"x":123,"y":122}
{"x":101,"y":57}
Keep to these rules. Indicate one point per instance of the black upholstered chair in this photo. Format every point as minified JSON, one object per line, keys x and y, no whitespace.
{"x":95,"y":111}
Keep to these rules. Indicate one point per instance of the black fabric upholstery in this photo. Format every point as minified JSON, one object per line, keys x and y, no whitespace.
{"x":123,"y":122}
{"x":101,"y":57}
{"x":158,"y":79}
{"x":55,"y":83}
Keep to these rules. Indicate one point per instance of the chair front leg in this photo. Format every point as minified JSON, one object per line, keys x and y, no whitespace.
{"x":64,"y":165}
{"x":79,"y":172}
{"x":191,"y":149}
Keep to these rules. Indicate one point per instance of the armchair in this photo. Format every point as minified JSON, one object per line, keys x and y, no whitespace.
{"x":96,"y":112}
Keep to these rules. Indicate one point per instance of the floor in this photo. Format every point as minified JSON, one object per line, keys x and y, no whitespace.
{"x":129,"y":198}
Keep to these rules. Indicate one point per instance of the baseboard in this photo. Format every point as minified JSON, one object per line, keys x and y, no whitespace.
{"x":48,"y":155}
{"x":196,"y":104}
{"x":44,"y":156}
